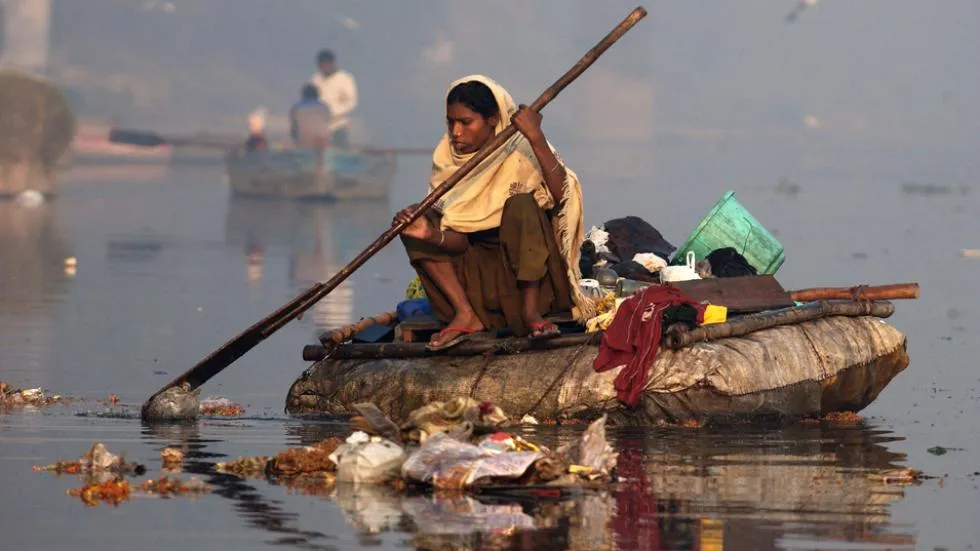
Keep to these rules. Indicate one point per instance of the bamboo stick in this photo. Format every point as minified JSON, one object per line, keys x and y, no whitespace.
{"x":345,"y":333}
{"x":859,"y":292}
{"x":786,"y":316}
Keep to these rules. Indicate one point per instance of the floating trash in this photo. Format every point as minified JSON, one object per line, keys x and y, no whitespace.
{"x":168,"y":487}
{"x":308,"y":460}
{"x":112,"y":492}
{"x":897,"y":476}
{"x":11,"y":397}
{"x":221,"y":407}
{"x":97,"y":460}
{"x":244,"y":466}
{"x":172,"y":458}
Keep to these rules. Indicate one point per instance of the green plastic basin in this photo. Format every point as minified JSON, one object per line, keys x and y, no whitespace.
{"x":729,"y":224}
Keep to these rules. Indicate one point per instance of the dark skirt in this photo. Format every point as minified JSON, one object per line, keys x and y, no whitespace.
{"x":523,"y":248}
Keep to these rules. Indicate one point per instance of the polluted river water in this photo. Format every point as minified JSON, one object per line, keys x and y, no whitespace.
{"x":167,"y":267}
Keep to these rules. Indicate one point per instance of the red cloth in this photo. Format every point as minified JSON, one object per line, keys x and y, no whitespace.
{"x":633,"y":338}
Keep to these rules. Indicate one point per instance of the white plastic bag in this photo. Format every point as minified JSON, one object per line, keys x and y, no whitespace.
{"x":375,"y":460}
{"x":447,"y":463}
{"x":680,"y":273}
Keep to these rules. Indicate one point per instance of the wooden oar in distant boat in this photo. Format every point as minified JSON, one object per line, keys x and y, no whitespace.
{"x":224,"y":356}
{"x":142,"y":138}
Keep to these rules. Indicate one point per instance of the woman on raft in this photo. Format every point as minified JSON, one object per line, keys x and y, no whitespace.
{"x":500,"y":249}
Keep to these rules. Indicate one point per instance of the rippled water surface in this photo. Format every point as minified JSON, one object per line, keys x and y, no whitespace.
{"x":170,"y":265}
{"x":851,"y":134}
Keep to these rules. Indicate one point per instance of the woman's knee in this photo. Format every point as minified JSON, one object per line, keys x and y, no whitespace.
{"x":522,"y":200}
{"x":520,"y":206}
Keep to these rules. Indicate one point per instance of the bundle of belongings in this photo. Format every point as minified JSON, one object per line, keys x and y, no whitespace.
{"x":619,"y":242}
{"x":635,"y":250}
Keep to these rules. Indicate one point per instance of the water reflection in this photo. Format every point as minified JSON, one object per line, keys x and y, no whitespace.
{"x":33,"y":273}
{"x":106,"y":172}
{"x":249,"y":503}
{"x":736,"y":489}
{"x":317,"y":238}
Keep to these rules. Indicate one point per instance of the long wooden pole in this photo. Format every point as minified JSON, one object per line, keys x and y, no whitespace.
{"x":751,"y":323}
{"x":859,"y":292}
{"x":224,"y":356}
{"x":146,"y":138}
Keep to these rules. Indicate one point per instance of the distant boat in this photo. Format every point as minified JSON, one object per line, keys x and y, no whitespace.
{"x":333,"y":173}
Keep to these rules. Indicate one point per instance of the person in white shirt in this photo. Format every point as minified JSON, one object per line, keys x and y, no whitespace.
{"x":339,"y":92}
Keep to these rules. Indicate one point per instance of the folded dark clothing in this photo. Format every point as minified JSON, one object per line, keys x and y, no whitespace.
{"x":632,"y":234}
{"x":727,"y":262}
{"x":588,"y":259}
{"x":634,"y":270}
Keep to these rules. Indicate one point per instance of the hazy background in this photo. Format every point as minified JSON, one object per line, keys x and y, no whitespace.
{"x":875,"y":70}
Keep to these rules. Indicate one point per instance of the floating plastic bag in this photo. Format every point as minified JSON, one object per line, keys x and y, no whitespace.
{"x":367,"y":459}
{"x":447,"y":463}
{"x":503,"y":442}
{"x":591,"y":450}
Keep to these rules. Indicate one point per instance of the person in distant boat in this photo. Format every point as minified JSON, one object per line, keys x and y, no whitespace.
{"x":256,"y":132}
{"x":309,"y":120}
{"x":338,"y":91}
{"x":501,"y":248}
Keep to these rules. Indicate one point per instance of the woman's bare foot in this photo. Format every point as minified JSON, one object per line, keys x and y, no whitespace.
{"x":462,"y":320}
{"x":539,"y":326}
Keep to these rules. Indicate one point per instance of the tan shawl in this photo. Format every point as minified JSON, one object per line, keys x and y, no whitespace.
{"x":476,"y":203}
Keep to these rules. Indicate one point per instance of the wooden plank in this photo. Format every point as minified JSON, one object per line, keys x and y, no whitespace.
{"x":739,"y":294}
{"x":417,"y":327}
